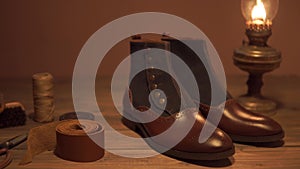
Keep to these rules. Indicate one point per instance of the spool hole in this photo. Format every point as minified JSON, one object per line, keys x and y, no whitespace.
{"x":78,"y":127}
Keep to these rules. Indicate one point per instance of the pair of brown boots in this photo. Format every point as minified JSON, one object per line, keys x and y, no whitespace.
{"x":181,"y":120}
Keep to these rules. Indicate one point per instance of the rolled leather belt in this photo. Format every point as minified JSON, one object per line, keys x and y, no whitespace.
{"x":79,"y":141}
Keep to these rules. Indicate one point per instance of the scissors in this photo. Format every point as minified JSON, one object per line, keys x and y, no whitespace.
{"x":7,"y":145}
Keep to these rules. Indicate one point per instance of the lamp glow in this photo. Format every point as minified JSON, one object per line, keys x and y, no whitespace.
{"x":258,"y":13}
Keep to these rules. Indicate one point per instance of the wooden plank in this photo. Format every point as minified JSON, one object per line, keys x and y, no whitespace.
{"x":251,"y":157}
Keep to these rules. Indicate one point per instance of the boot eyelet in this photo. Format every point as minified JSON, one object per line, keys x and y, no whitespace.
{"x":157,"y":95}
{"x":179,"y":115}
{"x":152,"y":77}
{"x":162,"y":101}
{"x":154,"y":86}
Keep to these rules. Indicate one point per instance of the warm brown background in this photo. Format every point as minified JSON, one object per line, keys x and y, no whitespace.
{"x":47,"y":35}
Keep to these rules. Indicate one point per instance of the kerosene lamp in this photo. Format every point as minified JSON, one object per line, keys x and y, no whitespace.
{"x":255,"y":56}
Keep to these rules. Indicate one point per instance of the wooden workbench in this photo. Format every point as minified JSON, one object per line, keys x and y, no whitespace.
{"x":283,"y":89}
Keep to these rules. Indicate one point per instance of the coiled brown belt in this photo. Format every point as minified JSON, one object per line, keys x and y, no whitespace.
{"x":79,"y":141}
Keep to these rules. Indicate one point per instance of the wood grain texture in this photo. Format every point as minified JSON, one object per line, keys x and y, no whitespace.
{"x":284,"y":89}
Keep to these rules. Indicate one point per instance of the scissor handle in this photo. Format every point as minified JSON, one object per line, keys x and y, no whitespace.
{"x":8,"y":158}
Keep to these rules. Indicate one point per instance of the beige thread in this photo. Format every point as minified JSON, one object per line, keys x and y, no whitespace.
{"x":43,"y":97}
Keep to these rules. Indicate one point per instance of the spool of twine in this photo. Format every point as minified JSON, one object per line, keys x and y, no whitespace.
{"x":43,"y":97}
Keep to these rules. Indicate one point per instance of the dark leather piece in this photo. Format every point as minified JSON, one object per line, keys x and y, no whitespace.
{"x":76,"y":115}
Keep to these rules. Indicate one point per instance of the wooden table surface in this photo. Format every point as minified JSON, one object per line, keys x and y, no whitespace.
{"x":284,"y":89}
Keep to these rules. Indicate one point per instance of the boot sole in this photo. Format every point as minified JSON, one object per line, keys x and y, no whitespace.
{"x":257,"y":139}
{"x":139,"y":129}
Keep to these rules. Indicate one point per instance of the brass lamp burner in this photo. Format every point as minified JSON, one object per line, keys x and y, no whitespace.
{"x":257,"y":58}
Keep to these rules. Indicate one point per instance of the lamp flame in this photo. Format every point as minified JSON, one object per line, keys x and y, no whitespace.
{"x":259,"y":12}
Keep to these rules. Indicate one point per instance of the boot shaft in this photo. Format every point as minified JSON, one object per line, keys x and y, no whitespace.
{"x":201,"y":67}
{"x":151,"y":85}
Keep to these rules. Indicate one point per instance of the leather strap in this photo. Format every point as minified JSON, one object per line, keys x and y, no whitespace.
{"x":76,"y":141}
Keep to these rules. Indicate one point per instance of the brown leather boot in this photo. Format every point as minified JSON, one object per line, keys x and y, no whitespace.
{"x":153,"y":90}
{"x":242,"y":125}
